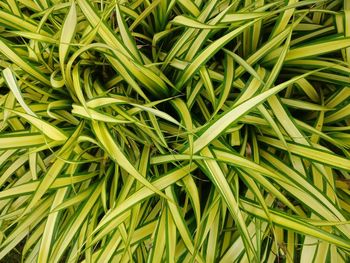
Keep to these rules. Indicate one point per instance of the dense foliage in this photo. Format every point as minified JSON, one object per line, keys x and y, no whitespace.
{"x":175,"y":130}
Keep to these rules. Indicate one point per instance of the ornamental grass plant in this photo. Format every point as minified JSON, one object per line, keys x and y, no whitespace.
{"x":174,"y":131}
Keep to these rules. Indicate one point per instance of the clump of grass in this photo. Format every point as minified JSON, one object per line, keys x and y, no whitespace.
{"x":187,"y":131}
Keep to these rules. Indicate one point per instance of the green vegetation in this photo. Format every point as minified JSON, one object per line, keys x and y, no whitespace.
{"x":175,"y":131}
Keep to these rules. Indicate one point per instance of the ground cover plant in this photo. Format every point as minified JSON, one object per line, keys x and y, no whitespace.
{"x":174,"y":131}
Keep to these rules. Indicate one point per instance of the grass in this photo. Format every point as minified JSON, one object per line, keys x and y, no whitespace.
{"x":175,"y":131}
